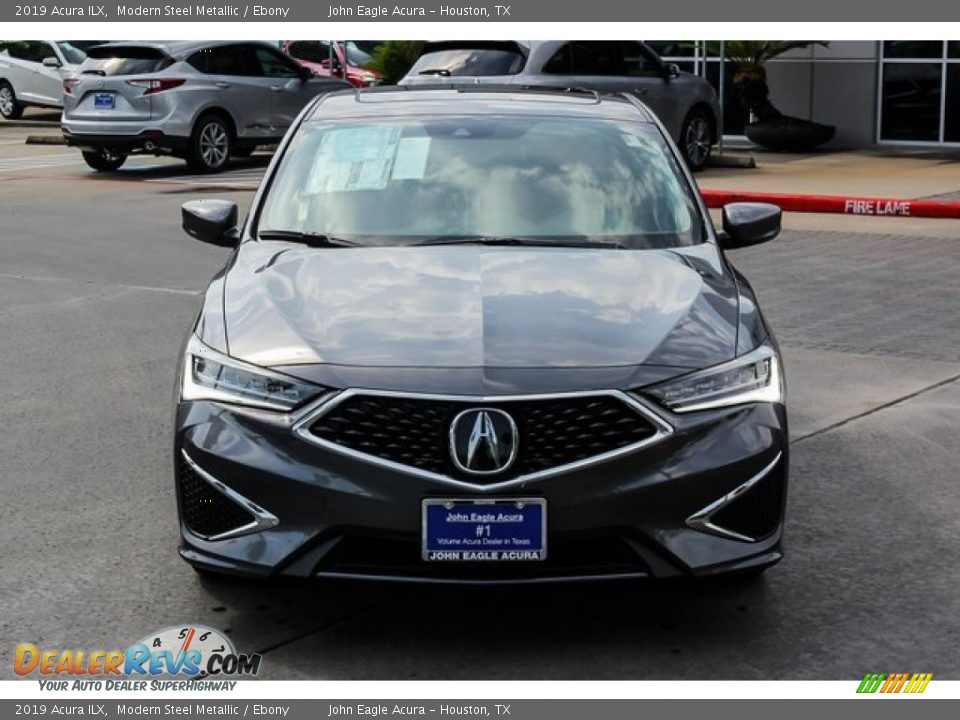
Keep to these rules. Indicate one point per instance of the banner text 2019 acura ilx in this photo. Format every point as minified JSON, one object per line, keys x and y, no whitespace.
{"x":480,"y":335}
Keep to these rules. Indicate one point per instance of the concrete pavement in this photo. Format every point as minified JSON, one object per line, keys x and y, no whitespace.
{"x":903,"y":174}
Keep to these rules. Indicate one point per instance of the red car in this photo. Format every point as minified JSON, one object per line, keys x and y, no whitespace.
{"x":328,"y":58}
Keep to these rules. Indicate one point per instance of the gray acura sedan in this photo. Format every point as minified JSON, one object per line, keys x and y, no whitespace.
{"x":686,"y":104}
{"x":480,"y":335}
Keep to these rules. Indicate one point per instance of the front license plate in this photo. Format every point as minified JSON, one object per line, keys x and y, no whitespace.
{"x":104,"y":101}
{"x":485,"y":530}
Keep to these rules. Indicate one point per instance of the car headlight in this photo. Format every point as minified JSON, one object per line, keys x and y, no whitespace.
{"x":211,"y":375}
{"x":754,"y":377}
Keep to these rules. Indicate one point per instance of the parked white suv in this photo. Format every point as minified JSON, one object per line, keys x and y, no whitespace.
{"x":201,"y":101}
{"x":32,"y":73}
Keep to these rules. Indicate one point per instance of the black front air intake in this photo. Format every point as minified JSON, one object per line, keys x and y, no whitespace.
{"x":757,"y":513}
{"x":204,"y":509}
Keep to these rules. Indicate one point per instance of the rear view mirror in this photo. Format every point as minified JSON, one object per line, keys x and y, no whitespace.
{"x":211,"y":221}
{"x":672,"y":70}
{"x":748,"y":223}
{"x":51,"y":62}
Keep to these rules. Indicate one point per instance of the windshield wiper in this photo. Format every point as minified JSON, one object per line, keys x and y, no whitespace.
{"x":531,"y":242}
{"x":310,"y":239}
{"x":443,"y":72}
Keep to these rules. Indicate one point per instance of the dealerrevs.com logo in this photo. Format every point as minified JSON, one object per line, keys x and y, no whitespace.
{"x":191,"y":651}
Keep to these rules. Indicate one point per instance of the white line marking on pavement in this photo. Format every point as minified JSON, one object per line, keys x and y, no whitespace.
{"x":122,"y":286}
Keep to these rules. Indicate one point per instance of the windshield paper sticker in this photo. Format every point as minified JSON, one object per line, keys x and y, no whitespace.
{"x":354,"y":159}
{"x":411,"y":160}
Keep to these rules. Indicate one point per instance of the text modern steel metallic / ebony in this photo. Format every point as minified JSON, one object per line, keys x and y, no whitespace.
{"x":480,"y":334}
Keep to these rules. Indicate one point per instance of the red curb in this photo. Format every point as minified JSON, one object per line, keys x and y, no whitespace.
{"x":844,"y":204}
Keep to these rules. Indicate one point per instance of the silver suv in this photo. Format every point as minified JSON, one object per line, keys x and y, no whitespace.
{"x":685,"y":104}
{"x":32,"y":73}
{"x":202,"y":101}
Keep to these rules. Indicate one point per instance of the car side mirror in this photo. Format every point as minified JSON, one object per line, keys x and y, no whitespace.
{"x":671,"y":71}
{"x":748,"y":223}
{"x":304,"y":72}
{"x":52,"y":62}
{"x":211,"y":221}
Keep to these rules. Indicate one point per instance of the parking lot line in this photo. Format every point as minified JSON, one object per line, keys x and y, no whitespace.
{"x":35,"y":162}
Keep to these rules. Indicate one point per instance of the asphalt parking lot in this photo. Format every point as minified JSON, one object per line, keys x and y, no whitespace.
{"x":98,"y":286}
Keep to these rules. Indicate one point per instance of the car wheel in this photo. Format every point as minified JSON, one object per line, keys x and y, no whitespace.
{"x":104,"y":160}
{"x":210,"y":146}
{"x":696,"y":139}
{"x":9,"y":107}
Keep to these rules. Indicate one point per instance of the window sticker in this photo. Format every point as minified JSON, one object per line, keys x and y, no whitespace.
{"x":351,"y":159}
{"x":411,"y":160}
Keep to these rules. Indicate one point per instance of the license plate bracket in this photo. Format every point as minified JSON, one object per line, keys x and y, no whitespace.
{"x":484,"y":529}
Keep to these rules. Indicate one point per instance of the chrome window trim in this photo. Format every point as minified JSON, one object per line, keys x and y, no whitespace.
{"x":301,"y":428}
{"x":262,"y":519}
{"x":701,"y":520}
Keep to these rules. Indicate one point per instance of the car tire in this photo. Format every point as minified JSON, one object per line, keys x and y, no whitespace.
{"x":210,"y":145}
{"x":104,"y":160}
{"x":10,"y":107}
{"x":696,"y":139}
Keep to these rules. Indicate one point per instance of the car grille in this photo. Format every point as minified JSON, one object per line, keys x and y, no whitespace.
{"x":553,"y":432}
{"x":205,"y":510}
{"x":755,"y":514}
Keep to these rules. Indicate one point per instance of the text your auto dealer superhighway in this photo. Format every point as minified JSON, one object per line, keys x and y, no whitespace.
{"x":202,"y":11}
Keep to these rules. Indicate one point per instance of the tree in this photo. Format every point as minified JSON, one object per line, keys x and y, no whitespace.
{"x":750,"y":79}
{"x":393,"y":58}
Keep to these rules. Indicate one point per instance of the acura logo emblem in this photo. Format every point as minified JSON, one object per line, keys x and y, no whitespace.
{"x":483,"y":441}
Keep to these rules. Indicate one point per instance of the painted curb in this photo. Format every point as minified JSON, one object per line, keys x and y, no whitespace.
{"x":842,"y":204}
{"x":45,"y":140}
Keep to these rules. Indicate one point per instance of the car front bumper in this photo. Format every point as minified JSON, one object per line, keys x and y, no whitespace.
{"x":326,"y":514}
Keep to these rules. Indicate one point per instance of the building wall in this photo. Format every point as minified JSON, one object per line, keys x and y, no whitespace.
{"x":836,"y":85}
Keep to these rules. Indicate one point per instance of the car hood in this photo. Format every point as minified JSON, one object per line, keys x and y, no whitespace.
{"x":476,"y":306}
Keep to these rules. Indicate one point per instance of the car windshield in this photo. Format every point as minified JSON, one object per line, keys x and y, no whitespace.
{"x":554,"y":179}
{"x":469,"y":62}
{"x":124,"y":60}
{"x":358,"y":52}
{"x":72,"y":52}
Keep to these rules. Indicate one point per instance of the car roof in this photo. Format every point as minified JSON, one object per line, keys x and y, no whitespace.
{"x":454,"y":100}
{"x":179,"y":48}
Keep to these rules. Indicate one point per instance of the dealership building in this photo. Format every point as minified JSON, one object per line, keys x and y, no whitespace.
{"x":888,"y":93}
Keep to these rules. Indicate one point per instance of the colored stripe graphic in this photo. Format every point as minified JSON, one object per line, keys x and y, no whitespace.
{"x":870,"y":683}
{"x":894,"y":683}
{"x":918,"y":683}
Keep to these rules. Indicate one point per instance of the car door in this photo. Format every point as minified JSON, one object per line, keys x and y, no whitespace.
{"x":32,"y":81}
{"x":614,"y":66}
{"x":289,"y":89}
{"x":240,"y":86}
{"x":48,"y":81}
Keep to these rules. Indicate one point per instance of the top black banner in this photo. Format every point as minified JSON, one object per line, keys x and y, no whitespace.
{"x":481,"y":11}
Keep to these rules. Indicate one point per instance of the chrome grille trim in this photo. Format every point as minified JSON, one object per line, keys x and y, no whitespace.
{"x":301,"y":428}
